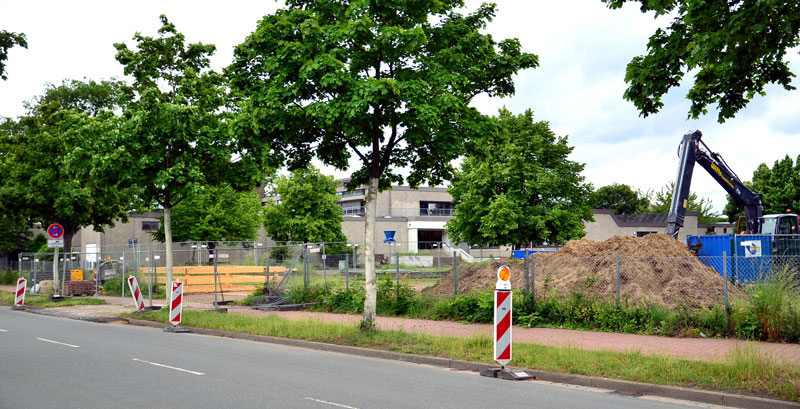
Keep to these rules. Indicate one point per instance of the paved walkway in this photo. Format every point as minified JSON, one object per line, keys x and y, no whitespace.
{"x":687,"y":348}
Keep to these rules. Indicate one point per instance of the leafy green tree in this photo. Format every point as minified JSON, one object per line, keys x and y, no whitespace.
{"x":518,"y":187}
{"x":621,"y":199}
{"x":307,"y":209}
{"x":174,"y":140}
{"x":9,"y":40}
{"x":734,"y":48}
{"x":215,"y":214}
{"x":779,"y":186}
{"x":390,"y":82}
{"x":47,"y":161}
{"x":663,"y":200}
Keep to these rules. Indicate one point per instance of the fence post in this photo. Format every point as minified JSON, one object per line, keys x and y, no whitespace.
{"x":397,"y":270}
{"x":216,"y":256}
{"x":455,"y":274}
{"x":527,"y":273}
{"x":325,"y":267}
{"x":725,"y":285}
{"x":305,"y":266}
{"x":533,"y":280}
{"x":347,"y":271}
{"x":153,"y":277}
{"x":439,"y":256}
{"x":617,"y":266}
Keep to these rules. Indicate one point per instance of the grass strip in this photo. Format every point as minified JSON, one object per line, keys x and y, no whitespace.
{"x":744,"y":371}
{"x":45,"y":302}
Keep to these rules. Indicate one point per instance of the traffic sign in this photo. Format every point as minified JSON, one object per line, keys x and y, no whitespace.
{"x":19,"y":300}
{"x":55,"y":243}
{"x":55,"y":231}
{"x":502,"y":316}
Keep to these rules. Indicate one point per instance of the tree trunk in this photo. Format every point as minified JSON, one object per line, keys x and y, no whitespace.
{"x":371,"y":297}
{"x":168,"y":243}
{"x":69,"y":233}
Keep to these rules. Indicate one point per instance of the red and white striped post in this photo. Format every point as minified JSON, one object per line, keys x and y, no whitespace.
{"x":502,"y":329}
{"x":502,"y":316}
{"x":135,"y":292}
{"x":19,"y":300}
{"x":176,"y":308}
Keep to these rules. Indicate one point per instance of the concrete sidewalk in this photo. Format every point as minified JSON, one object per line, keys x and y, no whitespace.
{"x":702,"y":349}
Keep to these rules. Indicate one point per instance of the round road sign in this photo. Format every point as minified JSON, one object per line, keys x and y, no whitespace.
{"x":55,"y":231}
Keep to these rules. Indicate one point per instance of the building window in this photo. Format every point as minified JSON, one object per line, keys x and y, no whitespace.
{"x":352,"y":207}
{"x":354,"y":192}
{"x":149,"y":225}
{"x":436,"y":208}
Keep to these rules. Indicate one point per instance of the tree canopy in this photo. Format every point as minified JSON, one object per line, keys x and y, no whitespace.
{"x":215,"y":213}
{"x":779,"y":186}
{"x":389,"y":82}
{"x":174,"y":140}
{"x":304,"y":209}
{"x":734,"y":48}
{"x":621,"y":199}
{"x":663,"y":200}
{"x":7,"y":41}
{"x":48,"y":154}
{"x":518,"y":187}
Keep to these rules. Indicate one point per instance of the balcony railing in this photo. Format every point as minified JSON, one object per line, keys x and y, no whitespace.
{"x":356,"y":211}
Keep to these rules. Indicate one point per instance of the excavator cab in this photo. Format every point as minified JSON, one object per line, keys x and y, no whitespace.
{"x":785,"y":229}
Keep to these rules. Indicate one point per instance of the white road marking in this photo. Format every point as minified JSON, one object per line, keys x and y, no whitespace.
{"x":3,"y":330}
{"x":169,"y":367}
{"x":59,"y":343}
{"x":331,"y":403}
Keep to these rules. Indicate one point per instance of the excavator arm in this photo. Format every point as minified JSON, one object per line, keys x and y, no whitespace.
{"x":691,"y":152}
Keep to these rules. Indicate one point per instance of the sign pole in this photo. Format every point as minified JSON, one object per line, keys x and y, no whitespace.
{"x":502,"y":329}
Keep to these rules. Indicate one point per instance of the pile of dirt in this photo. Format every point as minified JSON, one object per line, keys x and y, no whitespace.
{"x":655,"y":268}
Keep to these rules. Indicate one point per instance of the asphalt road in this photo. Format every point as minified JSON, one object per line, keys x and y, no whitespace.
{"x":62,"y":363}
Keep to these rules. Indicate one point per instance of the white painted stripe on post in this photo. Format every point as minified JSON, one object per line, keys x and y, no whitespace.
{"x":56,"y":342}
{"x":338,"y":405}
{"x":136,"y":292}
{"x":169,"y":367}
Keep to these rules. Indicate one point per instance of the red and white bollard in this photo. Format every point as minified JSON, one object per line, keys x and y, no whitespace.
{"x":176,"y":308}
{"x":133,"y":284}
{"x":19,"y":299}
{"x":502,"y":328}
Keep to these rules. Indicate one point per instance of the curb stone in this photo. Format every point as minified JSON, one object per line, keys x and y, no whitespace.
{"x":636,"y":389}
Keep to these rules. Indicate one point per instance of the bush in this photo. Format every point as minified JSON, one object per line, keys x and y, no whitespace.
{"x":9,"y":277}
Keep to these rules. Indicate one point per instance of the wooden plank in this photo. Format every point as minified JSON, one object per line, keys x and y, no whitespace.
{"x":209,"y":279}
{"x":204,"y":289}
{"x":226,"y":270}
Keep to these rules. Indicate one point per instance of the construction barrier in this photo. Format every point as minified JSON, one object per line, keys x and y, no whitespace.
{"x":135,"y":293}
{"x":502,"y":316}
{"x":176,"y":303}
{"x":19,"y":300}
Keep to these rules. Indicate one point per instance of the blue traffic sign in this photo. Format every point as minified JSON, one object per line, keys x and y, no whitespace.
{"x":55,"y":231}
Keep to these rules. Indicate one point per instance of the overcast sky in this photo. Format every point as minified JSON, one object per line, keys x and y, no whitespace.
{"x":583,"y":49}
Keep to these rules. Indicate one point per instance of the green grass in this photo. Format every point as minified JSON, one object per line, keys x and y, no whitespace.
{"x":744,"y":371}
{"x":45,"y":302}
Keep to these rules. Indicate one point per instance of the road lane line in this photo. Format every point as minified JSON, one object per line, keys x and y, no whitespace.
{"x":331,"y":403}
{"x":56,"y":342}
{"x":3,"y":330}
{"x":168,"y":367}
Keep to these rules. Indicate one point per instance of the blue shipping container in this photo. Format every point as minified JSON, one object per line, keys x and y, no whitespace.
{"x":746,"y":265}
{"x":521,"y":254}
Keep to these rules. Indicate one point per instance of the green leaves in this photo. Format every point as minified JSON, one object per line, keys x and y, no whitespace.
{"x":735,"y":48}
{"x":517,"y":187}
{"x":9,"y":40}
{"x":306,"y":210}
{"x":621,"y":199}
{"x":779,"y":186}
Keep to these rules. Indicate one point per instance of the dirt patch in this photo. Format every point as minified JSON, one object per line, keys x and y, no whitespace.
{"x":655,"y":269}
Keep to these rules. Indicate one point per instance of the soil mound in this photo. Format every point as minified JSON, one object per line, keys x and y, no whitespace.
{"x":655,"y":268}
